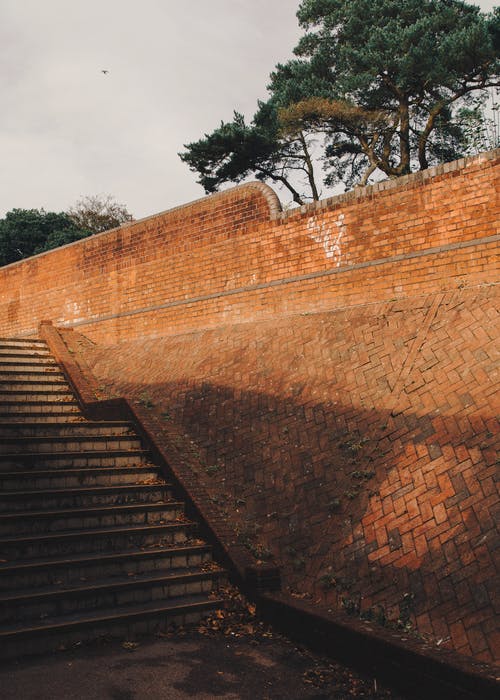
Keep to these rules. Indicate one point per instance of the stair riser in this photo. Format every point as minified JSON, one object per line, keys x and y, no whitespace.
{"x":62,"y":462}
{"x":45,"y":420}
{"x":108,"y":542}
{"x":20,"y":355}
{"x":26,"y":343}
{"x":67,"y":430}
{"x":40,"y":642}
{"x":69,"y":574}
{"x":12,"y":445}
{"x":28,"y":364}
{"x":26,"y":525}
{"x":37,"y":385}
{"x":26,"y":412}
{"x":59,"y":501}
{"x":68,"y":481}
{"x":24,"y":375}
{"x":67,"y":604}
{"x":52,"y":397}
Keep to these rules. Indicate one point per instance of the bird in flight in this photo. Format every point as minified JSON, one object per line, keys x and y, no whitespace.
{"x":105,"y":72}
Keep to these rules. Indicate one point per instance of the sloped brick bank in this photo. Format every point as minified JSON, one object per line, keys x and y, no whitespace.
{"x":357,"y":446}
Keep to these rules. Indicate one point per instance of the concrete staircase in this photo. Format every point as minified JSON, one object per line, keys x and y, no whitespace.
{"x":92,"y":539}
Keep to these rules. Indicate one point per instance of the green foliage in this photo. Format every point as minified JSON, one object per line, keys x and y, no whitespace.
{"x":235,"y":149}
{"x":377,"y":85}
{"x":212,"y":469}
{"x":25,"y":232}
{"x":419,"y":61}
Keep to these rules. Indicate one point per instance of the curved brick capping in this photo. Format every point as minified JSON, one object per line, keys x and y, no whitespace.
{"x":232,"y":257}
{"x":136,"y":265}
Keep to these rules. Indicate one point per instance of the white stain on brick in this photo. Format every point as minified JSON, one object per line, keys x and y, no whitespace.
{"x":322,"y":233}
{"x":72,"y":312}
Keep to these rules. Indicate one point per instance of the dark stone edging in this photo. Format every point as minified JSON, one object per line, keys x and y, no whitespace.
{"x":418,"y":669}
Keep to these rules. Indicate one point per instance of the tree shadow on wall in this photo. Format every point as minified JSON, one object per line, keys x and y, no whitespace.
{"x":387,"y":515}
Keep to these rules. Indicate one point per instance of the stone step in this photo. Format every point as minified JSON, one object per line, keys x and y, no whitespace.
{"x":51,"y":521}
{"x":43,"y":444}
{"x":64,"y":429}
{"x":21,"y":417}
{"x":76,"y":569}
{"x":99,"y":540}
{"x":23,"y":343}
{"x":94,"y":496}
{"x":33,"y":605}
{"x":27,"y":364}
{"x":39,"y":411}
{"x":54,"y":396}
{"x":19,"y":351}
{"x":38,"y":385}
{"x":13,"y":374}
{"x":129,"y":622}
{"x":91,"y":539}
{"x":73,"y":460}
{"x":13,"y":380}
{"x":73,"y":478}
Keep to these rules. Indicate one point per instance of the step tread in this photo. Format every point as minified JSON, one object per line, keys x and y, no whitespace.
{"x":64,"y":438}
{"x":91,"y":532}
{"x":83,"y":490}
{"x":81,"y":559}
{"x":41,"y":404}
{"x":101,"y":585}
{"x":64,"y":424}
{"x":117,"y":614}
{"x":4,"y":395}
{"x":45,"y":378}
{"x":84,"y":512}
{"x":26,"y":361}
{"x":78,"y":471}
{"x":54,"y":371}
{"x":74,"y":455}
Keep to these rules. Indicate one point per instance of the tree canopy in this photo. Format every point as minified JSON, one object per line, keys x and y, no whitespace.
{"x":381,"y":85}
{"x":26,"y":232}
{"x":97,"y":213}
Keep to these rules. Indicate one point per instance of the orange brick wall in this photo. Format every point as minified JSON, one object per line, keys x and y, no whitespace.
{"x":234,"y":257}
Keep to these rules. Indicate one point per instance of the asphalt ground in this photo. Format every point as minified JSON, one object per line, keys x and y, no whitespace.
{"x":191,"y":664}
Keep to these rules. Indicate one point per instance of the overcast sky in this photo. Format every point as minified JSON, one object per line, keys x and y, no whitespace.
{"x":176,"y":68}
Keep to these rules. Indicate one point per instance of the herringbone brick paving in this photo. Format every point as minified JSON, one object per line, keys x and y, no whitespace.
{"x":357,"y":446}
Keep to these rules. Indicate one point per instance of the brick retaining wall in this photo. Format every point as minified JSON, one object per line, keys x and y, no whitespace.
{"x":333,"y":367}
{"x":234,"y":257}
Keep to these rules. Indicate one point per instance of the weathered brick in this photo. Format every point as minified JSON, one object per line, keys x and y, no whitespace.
{"x":350,"y":410}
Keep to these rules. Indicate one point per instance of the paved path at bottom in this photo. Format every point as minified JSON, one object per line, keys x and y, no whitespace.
{"x":190,"y":666}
